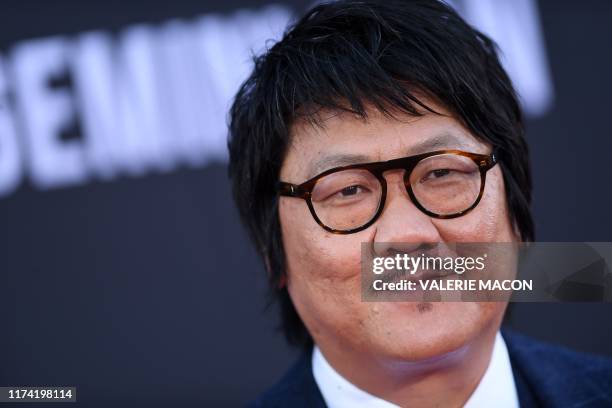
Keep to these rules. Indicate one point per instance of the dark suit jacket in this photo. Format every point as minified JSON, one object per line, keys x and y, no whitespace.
{"x":545,"y":375}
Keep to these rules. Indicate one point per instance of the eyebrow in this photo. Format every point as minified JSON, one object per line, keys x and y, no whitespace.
{"x":335,"y":160}
{"x":441,"y":141}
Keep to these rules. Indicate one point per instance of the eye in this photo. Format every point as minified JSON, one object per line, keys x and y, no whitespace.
{"x":436,"y":174}
{"x":440,"y":172}
{"x":351,"y":190}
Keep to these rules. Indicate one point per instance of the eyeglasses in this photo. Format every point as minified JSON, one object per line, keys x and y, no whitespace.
{"x":442,"y":184}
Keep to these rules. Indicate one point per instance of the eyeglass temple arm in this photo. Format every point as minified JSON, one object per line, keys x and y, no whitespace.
{"x":290,"y":190}
{"x":491,"y":160}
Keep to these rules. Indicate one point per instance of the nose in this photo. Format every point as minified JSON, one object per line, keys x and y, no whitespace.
{"x":402,"y":227}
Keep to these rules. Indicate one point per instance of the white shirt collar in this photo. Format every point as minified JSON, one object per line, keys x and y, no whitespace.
{"x":496,"y":385}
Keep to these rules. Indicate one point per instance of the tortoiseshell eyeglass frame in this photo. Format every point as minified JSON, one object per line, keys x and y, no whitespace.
{"x":484,"y":162}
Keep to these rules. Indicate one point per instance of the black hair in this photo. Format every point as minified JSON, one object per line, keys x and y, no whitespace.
{"x":346,"y":54}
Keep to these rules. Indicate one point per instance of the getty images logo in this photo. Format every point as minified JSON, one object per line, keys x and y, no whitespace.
{"x":99,"y":105}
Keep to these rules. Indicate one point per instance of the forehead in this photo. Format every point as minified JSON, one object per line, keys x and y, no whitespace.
{"x":344,"y":139}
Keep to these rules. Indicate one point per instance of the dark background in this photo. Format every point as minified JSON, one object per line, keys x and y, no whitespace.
{"x":145,"y":291}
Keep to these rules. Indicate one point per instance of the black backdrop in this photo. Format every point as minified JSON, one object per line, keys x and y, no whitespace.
{"x":144,"y":290}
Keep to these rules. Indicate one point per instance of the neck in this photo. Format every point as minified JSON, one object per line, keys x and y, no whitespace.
{"x":447,"y":380}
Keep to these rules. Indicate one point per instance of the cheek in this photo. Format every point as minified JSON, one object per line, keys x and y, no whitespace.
{"x":316,"y":258}
{"x":323,"y":273}
{"x":488,"y":222}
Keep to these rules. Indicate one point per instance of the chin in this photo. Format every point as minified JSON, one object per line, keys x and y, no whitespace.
{"x":418,"y":331}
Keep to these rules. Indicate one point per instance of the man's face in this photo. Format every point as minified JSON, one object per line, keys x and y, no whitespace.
{"x":323,"y":269}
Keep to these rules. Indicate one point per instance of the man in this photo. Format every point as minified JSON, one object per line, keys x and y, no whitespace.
{"x":417,"y":95}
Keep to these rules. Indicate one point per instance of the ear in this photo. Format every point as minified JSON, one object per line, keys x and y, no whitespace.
{"x":517,"y":231}
{"x":282,"y":281}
